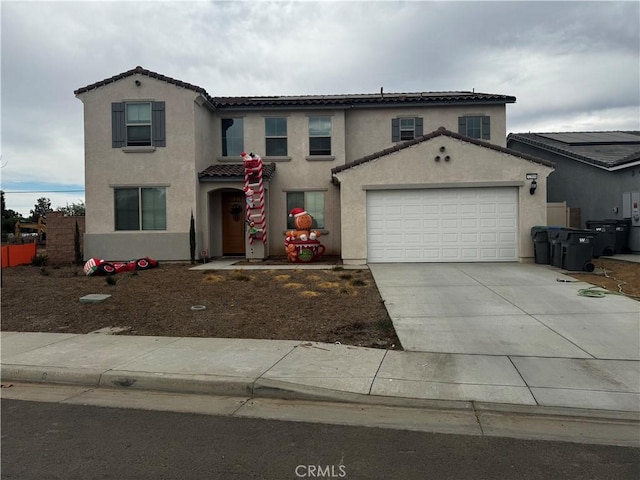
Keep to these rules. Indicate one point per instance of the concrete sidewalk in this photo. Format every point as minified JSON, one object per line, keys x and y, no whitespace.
{"x":560,"y":373}
{"x":310,"y":370}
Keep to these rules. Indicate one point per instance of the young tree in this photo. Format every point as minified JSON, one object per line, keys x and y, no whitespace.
{"x":40,"y":209}
{"x":9,"y":218}
{"x":73,"y":210}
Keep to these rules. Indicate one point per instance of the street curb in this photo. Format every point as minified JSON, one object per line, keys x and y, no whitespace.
{"x":277,"y":389}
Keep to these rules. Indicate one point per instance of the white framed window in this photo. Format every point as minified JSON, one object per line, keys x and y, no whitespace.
{"x":138,"y":124}
{"x":475,"y":126}
{"x":275,"y":129}
{"x":138,"y":121}
{"x":232,"y":137}
{"x":406,"y":128}
{"x":320,"y":135}
{"x":140,"y":208}
{"x":313,"y":204}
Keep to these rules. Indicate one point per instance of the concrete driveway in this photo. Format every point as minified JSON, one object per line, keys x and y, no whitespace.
{"x":505,"y":309}
{"x":509,"y":332}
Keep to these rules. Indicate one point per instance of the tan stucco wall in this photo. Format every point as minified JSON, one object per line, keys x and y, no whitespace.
{"x":173,"y":166}
{"x":415,"y":167}
{"x":369,"y":130}
{"x":193,"y":135}
{"x":296,"y":172}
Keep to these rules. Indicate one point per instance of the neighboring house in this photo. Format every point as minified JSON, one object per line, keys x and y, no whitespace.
{"x":387,"y":177}
{"x":592,"y":169}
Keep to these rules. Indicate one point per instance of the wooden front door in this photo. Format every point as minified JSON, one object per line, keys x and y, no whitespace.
{"x":233,"y":225}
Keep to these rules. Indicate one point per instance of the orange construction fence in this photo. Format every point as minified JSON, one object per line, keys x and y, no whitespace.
{"x":13,"y":255}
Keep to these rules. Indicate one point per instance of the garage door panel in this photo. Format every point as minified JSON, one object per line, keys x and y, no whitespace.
{"x":474,"y":224}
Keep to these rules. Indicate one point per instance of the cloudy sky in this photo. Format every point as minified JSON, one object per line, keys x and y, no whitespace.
{"x":573,"y":66}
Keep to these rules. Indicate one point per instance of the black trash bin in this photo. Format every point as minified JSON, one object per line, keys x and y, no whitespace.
{"x":577,"y":249}
{"x":541,"y":245}
{"x":605,"y":240}
{"x":622,"y":234}
{"x":555,"y":247}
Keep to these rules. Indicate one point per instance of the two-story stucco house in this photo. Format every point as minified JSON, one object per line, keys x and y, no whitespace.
{"x":410,"y":177}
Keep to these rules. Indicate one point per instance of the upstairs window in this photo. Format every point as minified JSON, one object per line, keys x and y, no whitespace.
{"x":275,"y":137}
{"x":138,"y":117}
{"x":478,"y":126}
{"x":320,"y":135}
{"x":232,"y":137}
{"x":138,"y":124}
{"x":406,"y":128}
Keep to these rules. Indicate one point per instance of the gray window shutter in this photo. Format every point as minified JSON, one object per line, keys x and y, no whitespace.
{"x":462,"y":125}
{"x":486,"y":128}
{"x":118,"y":137}
{"x":395,"y":129}
{"x":418,"y":126}
{"x":158,"y":125}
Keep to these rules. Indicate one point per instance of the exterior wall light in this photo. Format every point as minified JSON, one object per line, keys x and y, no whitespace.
{"x":447,"y":158}
{"x":532,"y":188}
{"x":442,"y":149}
{"x":437,"y":158}
{"x":138,"y":83}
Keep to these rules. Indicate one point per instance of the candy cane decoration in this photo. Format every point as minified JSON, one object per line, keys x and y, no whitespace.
{"x":253,"y":177}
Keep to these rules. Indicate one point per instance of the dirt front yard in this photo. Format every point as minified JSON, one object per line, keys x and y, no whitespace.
{"x":333,"y":305}
{"x":614,"y":275}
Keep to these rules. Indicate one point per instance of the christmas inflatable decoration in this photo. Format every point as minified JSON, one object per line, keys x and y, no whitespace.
{"x":301,"y":244}
{"x":254,"y":194}
{"x":96,"y":266}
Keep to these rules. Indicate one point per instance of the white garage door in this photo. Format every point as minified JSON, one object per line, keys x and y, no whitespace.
{"x":442,"y":225}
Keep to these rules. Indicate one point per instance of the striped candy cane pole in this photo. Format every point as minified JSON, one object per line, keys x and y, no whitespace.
{"x":263,"y":219}
{"x":247,"y":180}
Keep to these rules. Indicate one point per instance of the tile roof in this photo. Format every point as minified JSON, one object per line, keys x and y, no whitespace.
{"x":141,"y":71}
{"x":437,"y":133}
{"x":233,"y":171}
{"x":601,"y":149}
{"x":362,"y":100}
{"x":318,"y":101}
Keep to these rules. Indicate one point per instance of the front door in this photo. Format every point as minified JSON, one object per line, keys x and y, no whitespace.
{"x":233,"y":223}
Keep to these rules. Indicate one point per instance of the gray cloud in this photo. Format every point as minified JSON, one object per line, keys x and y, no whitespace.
{"x":572,"y":65}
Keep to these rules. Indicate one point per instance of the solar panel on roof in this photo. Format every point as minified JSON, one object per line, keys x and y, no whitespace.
{"x":586,"y":138}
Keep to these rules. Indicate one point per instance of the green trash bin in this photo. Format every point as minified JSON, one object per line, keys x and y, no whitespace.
{"x":604,"y":242}
{"x":541,"y":245}
{"x":577,"y":249}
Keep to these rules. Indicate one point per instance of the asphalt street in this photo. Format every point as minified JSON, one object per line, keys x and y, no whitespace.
{"x":53,"y":440}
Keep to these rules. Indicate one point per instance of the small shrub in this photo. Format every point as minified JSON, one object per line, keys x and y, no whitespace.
{"x":346,"y":276}
{"x":44,"y":271}
{"x":39,"y":260}
{"x":111,"y":280}
{"x":358,"y":283}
